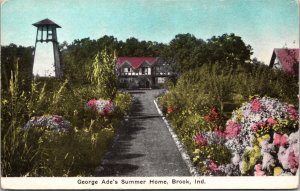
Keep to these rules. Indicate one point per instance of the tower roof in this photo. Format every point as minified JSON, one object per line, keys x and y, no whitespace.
{"x":46,"y":22}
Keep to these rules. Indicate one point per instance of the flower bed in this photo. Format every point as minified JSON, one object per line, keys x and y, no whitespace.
{"x":52,"y":122}
{"x":103,"y":107}
{"x":262,"y":137}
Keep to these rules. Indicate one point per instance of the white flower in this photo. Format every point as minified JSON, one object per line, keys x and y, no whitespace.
{"x":294,"y":137}
{"x":267,"y":161}
{"x":235,"y":159}
{"x":52,"y":122}
{"x":241,"y":164}
{"x":266,"y":147}
{"x":295,"y":147}
{"x":256,"y":117}
{"x":283,"y":157}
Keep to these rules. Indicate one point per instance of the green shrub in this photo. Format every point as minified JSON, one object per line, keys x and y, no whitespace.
{"x":123,"y":102}
{"x":70,"y":154}
{"x":19,"y":150}
{"x":103,"y":75}
{"x":216,"y":152}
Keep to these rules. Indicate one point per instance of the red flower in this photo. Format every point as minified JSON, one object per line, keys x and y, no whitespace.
{"x":170,"y":109}
{"x":255,"y":105}
{"x":108,"y":107}
{"x":200,"y":139}
{"x":213,"y":115}
{"x":263,"y":124}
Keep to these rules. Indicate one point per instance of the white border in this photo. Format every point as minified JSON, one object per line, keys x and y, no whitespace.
{"x":285,"y":182}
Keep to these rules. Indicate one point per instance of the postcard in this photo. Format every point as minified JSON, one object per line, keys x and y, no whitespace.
{"x":149,"y":94}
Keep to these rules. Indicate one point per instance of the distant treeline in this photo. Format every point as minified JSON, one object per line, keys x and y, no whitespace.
{"x":184,"y":52}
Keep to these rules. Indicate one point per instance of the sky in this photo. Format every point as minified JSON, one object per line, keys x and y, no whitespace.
{"x":263,"y":24}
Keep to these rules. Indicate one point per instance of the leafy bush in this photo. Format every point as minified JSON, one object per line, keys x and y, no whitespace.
{"x":103,"y":75}
{"x":70,"y":154}
{"x":227,"y":88}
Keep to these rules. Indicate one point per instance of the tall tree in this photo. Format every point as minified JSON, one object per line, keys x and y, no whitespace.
{"x":182,"y":50}
{"x":228,"y":49}
{"x":77,"y":59}
{"x":109,"y":43}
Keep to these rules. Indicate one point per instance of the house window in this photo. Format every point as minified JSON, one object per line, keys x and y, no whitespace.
{"x":160,"y":80}
{"x":277,"y":65}
{"x":145,"y":71}
{"x":157,"y":69}
{"x":127,"y":70}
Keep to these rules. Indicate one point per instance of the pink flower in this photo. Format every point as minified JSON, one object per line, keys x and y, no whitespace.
{"x":57,"y":118}
{"x":258,"y":170}
{"x":293,"y":161}
{"x":271,"y":121}
{"x":232,"y":129}
{"x":293,"y":112}
{"x":92,"y":103}
{"x":200,"y":139}
{"x":254,"y":127}
{"x":280,"y":139}
{"x":259,"y":125}
{"x":255,"y":105}
{"x":217,"y":131}
{"x":212,"y":166}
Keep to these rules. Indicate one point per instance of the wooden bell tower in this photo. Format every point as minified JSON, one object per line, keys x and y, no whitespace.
{"x":46,"y":32}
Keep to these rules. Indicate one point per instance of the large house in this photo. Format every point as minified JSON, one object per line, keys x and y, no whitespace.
{"x":142,"y":72}
{"x":286,"y":59}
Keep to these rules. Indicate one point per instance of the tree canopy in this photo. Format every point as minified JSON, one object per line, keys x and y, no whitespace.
{"x":190,"y":52}
{"x":183,"y":53}
{"x":10,"y":56}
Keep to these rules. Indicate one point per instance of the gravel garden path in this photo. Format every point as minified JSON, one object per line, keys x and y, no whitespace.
{"x":143,"y":146}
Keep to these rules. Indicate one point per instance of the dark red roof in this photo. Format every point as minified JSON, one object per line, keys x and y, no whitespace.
{"x":136,"y":62}
{"x":46,"y":22}
{"x":288,"y":58}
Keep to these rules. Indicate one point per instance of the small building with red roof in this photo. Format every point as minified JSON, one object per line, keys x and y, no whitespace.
{"x":141,"y":72}
{"x":286,"y":59}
